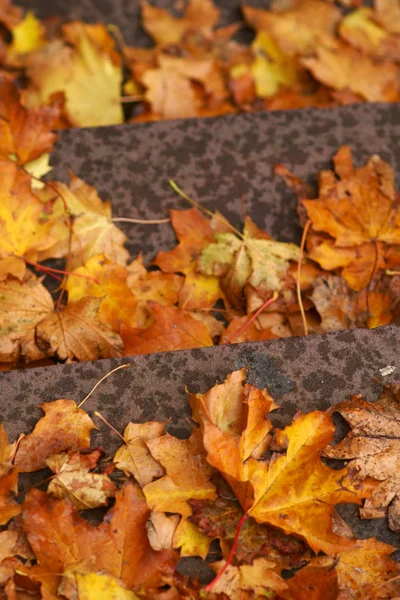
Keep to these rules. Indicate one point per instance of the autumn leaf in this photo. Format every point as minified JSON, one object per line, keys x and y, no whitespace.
{"x":190,"y":540}
{"x":161,"y":529}
{"x":172,"y":329}
{"x":373,"y":447}
{"x":84,"y":226}
{"x":23,"y":304}
{"x":200,"y":15}
{"x":65,"y":427}
{"x":92,"y":586}
{"x":262,"y":263}
{"x":25,"y":224}
{"x":86,"y":74}
{"x":359,"y":213}
{"x":188,"y":476}
{"x":76,"y":333}
{"x":360,"y":29}
{"x":74,"y":480}
{"x":8,"y":505}
{"x":27,"y":36}
{"x":259,"y":578}
{"x":10,"y":15}
{"x":194,"y":231}
{"x":134,"y":458}
{"x":25,"y":134}
{"x":316,"y":581}
{"x":342,"y":67}
{"x":117,"y":547}
{"x":298,"y":29}
{"x":285,"y":493}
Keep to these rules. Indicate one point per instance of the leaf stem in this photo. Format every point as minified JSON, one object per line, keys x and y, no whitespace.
{"x":298,"y":282}
{"x":140,"y":221}
{"x":124,"y":366}
{"x":50,"y":271}
{"x":100,"y":416}
{"x":210,"y":586}
{"x":252,"y":318}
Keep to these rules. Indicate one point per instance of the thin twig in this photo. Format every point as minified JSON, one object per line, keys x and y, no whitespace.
{"x":140,"y":221}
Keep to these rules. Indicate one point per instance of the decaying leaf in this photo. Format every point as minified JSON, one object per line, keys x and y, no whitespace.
{"x":74,"y":479}
{"x":373,"y":447}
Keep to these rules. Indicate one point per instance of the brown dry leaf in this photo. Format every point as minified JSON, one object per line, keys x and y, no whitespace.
{"x":342,"y":67}
{"x":135,"y":458}
{"x":360,"y":29}
{"x":22,"y":306}
{"x":84,"y":226}
{"x":75,"y":333}
{"x":8,"y":506}
{"x":194,"y":231}
{"x":363,"y":570}
{"x":65,"y":427}
{"x":74,"y":480}
{"x":118,"y":546}
{"x":188,"y":476}
{"x":10,"y":15}
{"x":373,"y":448}
{"x":7,"y":452}
{"x":25,"y":134}
{"x":260,"y":578}
{"x":297,"y":30}
{"x":388,"y":15}
{"x":161,"y":529}
{"x":200,"y":16}
{"x":359,"y":212}
{"x":316,"y":581}
{"x":172,"y":329}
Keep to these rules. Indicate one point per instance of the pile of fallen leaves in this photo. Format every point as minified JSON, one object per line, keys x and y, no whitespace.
{"x":218,"y":285}
{"x":256,"y":500}
{"x":305,"y":53}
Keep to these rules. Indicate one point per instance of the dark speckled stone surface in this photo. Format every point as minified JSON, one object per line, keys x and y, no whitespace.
{"x":300,"y":373}
{"x":219,"y":160}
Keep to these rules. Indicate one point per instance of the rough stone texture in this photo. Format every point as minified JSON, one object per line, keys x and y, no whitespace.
{"x":220,"y":160}
{"x":300,"y":373}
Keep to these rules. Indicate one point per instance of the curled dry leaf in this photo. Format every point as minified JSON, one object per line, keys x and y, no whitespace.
{"x":259,"y":578}
{"x":373,"y":448}
{"x":161,"y":529}
{"x":76,"y":333}
{"x":65,"y":427}
{"x":134,"y":458}
{"x":74,"y":480}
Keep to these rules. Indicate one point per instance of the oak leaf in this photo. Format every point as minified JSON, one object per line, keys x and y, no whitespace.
{"x":359,"y":212}
{"x":134,"y":458}
{"x":188,"y":476}
{"x":22,"y":306}
{"x":117,"y":547}
{"x":76,"y":333}
{"x":84,"y":226}
{"x":172,"y":329}
{"x":86,"y":74}
{"x":74,"y":480}
{"x":373,"y":448}
{"x":64,"y":427}
{"x":200,"y":16}
{"x":194,"y":231}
